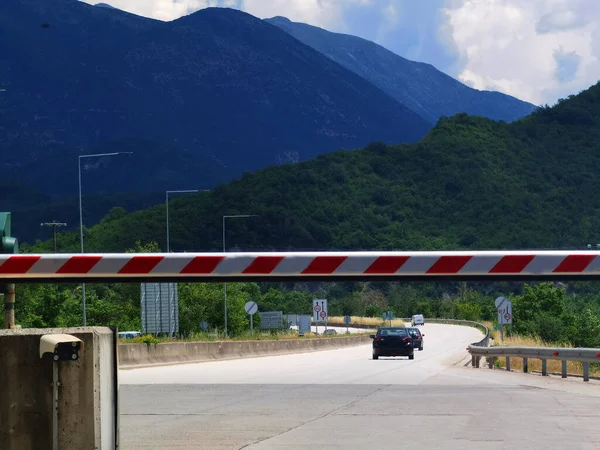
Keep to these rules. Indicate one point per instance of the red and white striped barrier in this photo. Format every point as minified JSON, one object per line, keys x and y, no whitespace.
{"x":301,"y":265}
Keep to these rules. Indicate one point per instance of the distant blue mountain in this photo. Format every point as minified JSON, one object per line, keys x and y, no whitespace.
{"x":424,"y":89}
{"x":219,"y":84}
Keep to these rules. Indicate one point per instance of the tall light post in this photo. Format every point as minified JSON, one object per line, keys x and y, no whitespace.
{"x":80,"y":157}
{"x":187,"y":191}
{"x":236,"y":216}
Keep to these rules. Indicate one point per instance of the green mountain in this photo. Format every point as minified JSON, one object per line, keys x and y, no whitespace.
{"x":470,"y":183}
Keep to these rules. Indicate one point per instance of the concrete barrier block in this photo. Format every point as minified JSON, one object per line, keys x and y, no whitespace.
{"x":88,"y":393}
{"x":139,"y":355}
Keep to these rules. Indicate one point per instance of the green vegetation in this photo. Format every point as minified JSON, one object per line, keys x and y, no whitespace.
{"x":470,"y":183}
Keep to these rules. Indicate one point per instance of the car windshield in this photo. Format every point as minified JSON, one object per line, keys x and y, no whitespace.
{"x":392,"y":332}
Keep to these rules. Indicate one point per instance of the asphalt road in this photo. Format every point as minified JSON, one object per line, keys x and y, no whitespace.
{"x":342,"y":399}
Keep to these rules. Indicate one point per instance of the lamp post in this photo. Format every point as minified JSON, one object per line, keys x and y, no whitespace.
{"x":187,"y":191}
{"x":80,"y":157}
{"x":53,"y":225}
{"x":236,"y":216}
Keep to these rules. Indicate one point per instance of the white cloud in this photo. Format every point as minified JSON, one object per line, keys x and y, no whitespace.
{"x":159,"y":9}
{"x":321,"y":13}
{"x":537,"y":50}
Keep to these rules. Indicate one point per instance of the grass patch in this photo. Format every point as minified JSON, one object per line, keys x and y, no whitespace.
{"x":375,"y":322}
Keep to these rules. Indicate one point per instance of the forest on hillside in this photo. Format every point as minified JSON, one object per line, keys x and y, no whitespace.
{"x":471,"y":183}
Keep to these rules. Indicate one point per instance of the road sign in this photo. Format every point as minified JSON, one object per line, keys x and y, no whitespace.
{"x":505,"y":313}
{"x":251,"y":307}
{"x":160,"y":308}
{"x":388,"y":315}
{"x":320,"y":310}
{"x":347,"y":320}
{"x":304,"y":323}
{"x":203,"y":325}
{"x":500,"y":301}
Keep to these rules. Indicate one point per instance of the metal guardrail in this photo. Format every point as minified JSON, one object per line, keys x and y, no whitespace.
{"x":584,"y":355}
{"x":485,"y":342}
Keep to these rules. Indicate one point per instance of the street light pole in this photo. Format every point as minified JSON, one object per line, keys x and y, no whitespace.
{"x":80,"y":157}
{"x":167,"y":208}
{"x":53,"y":225}
{"x":236,"y":216}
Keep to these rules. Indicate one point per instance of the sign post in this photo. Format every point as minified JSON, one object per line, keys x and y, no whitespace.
{"x":504,"y":308}
{"x":320,"y":312}
{"x":251,"y":308}
{"x":388,"y":315}
{"x":347,"y":320}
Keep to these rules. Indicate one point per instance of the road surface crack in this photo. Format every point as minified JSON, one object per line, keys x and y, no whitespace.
{"x":315,"y":419}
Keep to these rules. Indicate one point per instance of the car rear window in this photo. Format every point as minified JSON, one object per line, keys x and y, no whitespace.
{"x":393,"y":332}
{"x":415,"y":332}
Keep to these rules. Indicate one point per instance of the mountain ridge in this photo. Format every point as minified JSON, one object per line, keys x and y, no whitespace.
{"x":440,"y":96}
{"x":218,"y":82}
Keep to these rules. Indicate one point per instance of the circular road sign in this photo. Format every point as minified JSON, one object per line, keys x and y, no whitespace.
{"x":317,"y":308}
{"x":499,"y":301}
{"x":507,"y":316}
{"x":323,"y":314}
{"x":347,"y":320}
{"x":251,"y":307}
{"x":203,"y":325}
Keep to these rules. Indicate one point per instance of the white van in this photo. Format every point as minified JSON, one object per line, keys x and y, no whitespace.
{"x":417,"y":319}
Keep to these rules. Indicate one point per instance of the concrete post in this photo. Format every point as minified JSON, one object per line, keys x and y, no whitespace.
{"x":9,"y":307}
{"x":87,"y":392}
{"x":564,"y":368}
{"x":525,"y":365}
{"x":508,"y":363}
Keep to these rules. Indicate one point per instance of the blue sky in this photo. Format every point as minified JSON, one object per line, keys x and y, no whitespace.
{"x":536,"y":50}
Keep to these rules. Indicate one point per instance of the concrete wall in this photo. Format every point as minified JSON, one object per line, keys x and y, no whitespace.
{"x":139,"y":355}
{"x":87,"y":395}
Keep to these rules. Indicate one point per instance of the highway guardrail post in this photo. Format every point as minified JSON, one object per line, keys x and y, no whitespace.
{"x":544,"y":368}
{"x":586,"y":371}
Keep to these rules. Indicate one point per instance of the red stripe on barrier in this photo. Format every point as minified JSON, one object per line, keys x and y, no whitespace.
{"x":324,"y":265}
{"x":79,"y":264}
{"x":387,"y":265}
{"x":141,"y":264}
{"x":263,"y":265}
{"x":574,"y":263}
{"x":18,"y":264}
{"x":449,"y":264}
{"x":512,"y":264}
{"x":201,"y":265}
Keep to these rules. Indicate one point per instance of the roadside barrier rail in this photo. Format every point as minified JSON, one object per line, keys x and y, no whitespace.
{"x":348,"y":265}
{"x":584,"y":355}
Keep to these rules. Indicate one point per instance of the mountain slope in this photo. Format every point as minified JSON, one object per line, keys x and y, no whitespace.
{"x":421,"y":87}
{"x":219,"y":83}
{"x":471,"y":183}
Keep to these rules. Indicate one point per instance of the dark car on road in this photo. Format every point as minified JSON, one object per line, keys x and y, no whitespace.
{"x":417,"y":338}
{"x":392,"y":341}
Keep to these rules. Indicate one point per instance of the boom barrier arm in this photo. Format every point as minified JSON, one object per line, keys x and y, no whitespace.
{"x":278,"y":266}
